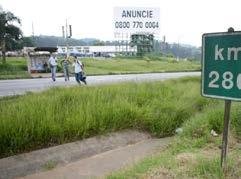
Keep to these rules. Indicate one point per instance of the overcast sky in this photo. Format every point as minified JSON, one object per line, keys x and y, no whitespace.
{"x":181,"y":20}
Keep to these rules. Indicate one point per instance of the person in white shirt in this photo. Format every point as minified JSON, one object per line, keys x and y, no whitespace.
{"x":53,"y":66}
{"x":78,"y":69}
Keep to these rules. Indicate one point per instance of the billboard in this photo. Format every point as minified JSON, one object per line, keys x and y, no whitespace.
{"x":136,"y":20}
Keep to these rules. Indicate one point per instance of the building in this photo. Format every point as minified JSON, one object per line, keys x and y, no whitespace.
{"x":38,"y":58}
{"x":97,"y":51}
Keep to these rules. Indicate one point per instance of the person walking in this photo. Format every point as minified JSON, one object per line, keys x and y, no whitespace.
{"x":78,"y":69}
{"x":53,"y":65}
{"x":65,"y":64}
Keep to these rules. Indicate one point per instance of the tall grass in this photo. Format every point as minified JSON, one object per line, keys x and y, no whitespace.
{"x":60,"y":115}
{"x":14,"y":68}
{"x":199,"y":149}
{"x":14,"y":64}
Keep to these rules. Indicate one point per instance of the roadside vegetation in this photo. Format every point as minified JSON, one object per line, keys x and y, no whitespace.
{"x":195,"y":153}
{"x":15,"y":68}
{"x":134,"y":65}
{"x":62,"y":115}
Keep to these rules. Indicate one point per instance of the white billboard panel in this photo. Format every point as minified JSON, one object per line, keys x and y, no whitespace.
{"x":136,"y":20}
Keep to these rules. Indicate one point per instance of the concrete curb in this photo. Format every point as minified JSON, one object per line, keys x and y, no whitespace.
{"x":37,"y":161}
{"x":104,"y":164}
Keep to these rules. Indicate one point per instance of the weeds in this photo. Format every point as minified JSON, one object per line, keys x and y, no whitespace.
{"x":195,"y":153}
{"x":50,"y":165}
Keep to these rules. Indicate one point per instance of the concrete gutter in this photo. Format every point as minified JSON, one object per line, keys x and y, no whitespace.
{"x":41,"y":160}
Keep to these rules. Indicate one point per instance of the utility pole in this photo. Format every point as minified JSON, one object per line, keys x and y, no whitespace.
{"x":1,"y":9}
{"x":67,"y":34}
{"x":178,"y":46}
{"x":32,"y":30}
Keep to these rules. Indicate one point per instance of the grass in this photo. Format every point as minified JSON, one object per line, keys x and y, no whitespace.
{"x":50,"y":165}
{"x":194,"y":153}
{"x":14,"y":68}
{"x":120,"y":66}
{"x":17,"y":67}
{"x":61,"y":115}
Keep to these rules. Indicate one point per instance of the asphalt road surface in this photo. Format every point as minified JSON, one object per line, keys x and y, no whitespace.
{"x":21,"y":86}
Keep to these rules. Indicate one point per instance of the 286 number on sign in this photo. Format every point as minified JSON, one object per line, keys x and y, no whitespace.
{"x":227,"y":80}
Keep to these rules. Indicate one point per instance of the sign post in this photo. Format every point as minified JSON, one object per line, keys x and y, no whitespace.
{"x":221,"y":74}
{"x":225,"y":135}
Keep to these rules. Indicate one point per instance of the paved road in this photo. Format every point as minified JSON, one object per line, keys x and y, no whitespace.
{"x":18,"y":87}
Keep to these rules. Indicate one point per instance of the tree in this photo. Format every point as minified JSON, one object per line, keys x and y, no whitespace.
{"x":99,"y":43}
{"x":9,"y":32}
{"x":27,"y":42}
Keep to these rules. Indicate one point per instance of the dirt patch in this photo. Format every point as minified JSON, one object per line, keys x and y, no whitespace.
{"x":232,"y":141}
{"x":234,"y":172}
{"x":161,"y":173}
{"x":186,"y":162}
{"x":185,"y":158}
{"x":209,"y":152}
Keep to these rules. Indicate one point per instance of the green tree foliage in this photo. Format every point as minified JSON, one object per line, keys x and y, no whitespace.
{"x":27,"y":42}
{"x":53,"y":41}
{"x":181,"y":50}
{"x":99,"y":43}
{"x":10,"y":34}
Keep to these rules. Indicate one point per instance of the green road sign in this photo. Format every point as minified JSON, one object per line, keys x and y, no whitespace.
{"x":221,"y":65}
